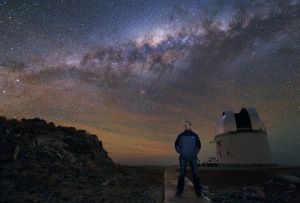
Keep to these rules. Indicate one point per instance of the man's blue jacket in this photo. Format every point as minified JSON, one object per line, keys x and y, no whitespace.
{"x":187,"y":144}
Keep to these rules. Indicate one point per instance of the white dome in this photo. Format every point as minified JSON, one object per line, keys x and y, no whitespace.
{"x":246,"y":120}
{"x":256,"y":122}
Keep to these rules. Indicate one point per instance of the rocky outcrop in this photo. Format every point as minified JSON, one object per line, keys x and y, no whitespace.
{"x":41,"y":162}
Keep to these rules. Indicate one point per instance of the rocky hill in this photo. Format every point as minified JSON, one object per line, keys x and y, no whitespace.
{"x":41,"y":162}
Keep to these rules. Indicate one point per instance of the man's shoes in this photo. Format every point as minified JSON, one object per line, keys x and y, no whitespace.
{"x":178,"y":194}
{"x":199,"y":194}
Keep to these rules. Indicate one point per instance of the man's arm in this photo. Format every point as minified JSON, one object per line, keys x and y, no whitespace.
{"x":178,"y":144}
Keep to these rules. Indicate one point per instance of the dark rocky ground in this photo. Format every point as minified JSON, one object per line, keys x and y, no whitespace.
{"x":41,"y":162}
{"x":274,"y":184}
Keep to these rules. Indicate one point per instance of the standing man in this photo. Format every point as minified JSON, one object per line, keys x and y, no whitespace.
{"x":188,"y":145}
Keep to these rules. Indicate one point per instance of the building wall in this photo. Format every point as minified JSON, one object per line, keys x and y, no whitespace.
{"x":243,"y":147}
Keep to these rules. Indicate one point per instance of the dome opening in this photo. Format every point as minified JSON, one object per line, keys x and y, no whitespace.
{"x":243,"y":121}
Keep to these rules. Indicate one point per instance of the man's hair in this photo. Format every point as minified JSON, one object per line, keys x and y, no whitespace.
{"x":188,"y":122}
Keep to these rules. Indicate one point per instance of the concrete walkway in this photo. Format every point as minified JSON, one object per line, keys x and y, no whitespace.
{"x":189,"y":194}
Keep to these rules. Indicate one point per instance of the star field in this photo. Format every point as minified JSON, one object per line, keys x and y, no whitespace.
{"x":133,"y":71}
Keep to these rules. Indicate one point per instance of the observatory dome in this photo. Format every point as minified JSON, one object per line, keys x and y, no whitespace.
{"x":246,"y":120}
{"x":241,"y":138}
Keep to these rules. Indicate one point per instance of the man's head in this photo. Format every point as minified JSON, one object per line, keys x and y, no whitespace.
{"x":188,"y":125}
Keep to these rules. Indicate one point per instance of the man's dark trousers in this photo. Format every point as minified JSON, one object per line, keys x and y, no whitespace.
{"x":183,"y":166}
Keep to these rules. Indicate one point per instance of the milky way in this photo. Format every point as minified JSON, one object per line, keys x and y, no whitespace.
{"x":133,"y":71}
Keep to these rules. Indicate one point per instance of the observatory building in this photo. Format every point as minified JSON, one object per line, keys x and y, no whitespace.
{"x":241,"y":138}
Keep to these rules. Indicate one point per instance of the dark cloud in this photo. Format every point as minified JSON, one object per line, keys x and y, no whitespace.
{"x":14,"y":65}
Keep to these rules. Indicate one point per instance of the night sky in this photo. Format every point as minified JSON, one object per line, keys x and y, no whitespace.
{"x":133,"y":71}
